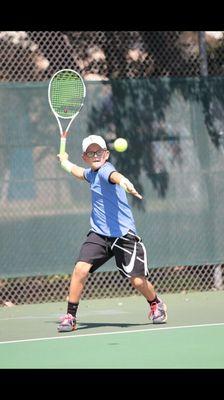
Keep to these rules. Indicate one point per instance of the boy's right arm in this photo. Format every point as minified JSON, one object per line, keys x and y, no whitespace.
{"x":68,"y":166}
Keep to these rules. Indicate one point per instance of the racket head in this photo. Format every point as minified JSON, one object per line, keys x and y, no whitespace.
{"x":66,"y":93}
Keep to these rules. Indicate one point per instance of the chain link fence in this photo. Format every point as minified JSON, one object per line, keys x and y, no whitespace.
{"x":54,"y":288}
{"x":32,"y":57}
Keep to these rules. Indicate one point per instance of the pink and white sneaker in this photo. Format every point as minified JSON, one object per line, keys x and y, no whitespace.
{"x":158,"y":312}
{"x":67,"y":324}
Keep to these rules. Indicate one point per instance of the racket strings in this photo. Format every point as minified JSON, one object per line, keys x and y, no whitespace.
{"x":67,"y":94}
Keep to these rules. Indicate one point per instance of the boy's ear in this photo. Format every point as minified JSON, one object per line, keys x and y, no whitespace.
{"x":108,"y":155}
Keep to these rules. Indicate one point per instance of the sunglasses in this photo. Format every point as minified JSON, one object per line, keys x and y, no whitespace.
{"x":98,"y":153}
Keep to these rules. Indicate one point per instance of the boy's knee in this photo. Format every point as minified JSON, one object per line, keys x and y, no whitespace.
{"x":82,"y":269}
{"x":137,"y":281}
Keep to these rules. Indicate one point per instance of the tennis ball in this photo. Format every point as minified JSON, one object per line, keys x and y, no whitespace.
{"x":120,"y":145}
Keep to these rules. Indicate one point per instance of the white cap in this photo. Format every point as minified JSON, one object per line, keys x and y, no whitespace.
{"x":93,"y":139}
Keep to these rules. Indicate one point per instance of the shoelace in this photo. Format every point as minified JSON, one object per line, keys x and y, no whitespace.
{"x":67,"y":317}
{"x":153,"y":308}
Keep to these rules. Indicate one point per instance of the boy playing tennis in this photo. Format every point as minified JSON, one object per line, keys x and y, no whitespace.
{"x":112,"y":232}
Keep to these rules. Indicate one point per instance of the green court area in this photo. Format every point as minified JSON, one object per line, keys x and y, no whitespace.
{"x":116,"y":333}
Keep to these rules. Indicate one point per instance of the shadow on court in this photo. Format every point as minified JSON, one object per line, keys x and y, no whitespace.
{"x":91,"y":325}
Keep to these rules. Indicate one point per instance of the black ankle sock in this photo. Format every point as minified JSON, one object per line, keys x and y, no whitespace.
{"x":155,"y":300}
{"x":72,"y":308}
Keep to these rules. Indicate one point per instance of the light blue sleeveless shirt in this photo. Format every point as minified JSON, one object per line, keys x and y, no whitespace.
{"x":111,"y":214}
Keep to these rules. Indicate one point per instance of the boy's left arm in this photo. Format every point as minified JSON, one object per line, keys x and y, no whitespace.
{"x":120,"y":179}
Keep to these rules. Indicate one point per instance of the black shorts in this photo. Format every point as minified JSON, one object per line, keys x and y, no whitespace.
{"x":128,"y":250}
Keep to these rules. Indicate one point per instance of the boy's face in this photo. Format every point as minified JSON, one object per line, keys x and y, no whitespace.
{"x":95,"y":156}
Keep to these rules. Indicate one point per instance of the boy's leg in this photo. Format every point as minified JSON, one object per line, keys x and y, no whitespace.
{"x":93,"y":253}
{"x":78,"y":280}
{"x":158,"y":309}
{"x":144,"y":287}
{"x":131,"y":260}
{"x":77,"y":284}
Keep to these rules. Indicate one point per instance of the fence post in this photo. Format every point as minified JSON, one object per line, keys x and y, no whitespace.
{"x":203,"y":53}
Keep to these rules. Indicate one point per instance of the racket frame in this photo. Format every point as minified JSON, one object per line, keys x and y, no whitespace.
{"x":64,"y":133}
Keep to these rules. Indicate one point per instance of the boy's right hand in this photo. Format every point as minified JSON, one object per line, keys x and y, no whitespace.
{"x":65,"y":163}
{"x":62,"y":157}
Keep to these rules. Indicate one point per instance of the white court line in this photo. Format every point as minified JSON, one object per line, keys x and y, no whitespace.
{"x":112,"y":333}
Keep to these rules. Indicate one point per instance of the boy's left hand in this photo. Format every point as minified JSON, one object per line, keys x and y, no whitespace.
{"x":134,"y":192}
{"x":131,"y":189}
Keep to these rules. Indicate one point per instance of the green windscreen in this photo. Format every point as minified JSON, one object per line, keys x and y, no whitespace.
{"x":66,"y":93}
{"x":175,"y":159}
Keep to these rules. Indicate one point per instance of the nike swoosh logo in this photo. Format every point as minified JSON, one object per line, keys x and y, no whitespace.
{"x":128,"y":268}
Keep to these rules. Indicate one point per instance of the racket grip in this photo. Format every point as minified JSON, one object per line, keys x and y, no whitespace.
{"x":62,"y":145}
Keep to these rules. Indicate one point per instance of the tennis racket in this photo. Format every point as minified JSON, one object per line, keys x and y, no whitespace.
{"x":66,"y":95}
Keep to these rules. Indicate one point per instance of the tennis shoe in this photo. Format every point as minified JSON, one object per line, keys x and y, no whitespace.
{"x":67,"y":324}
{"x":158,"y":312}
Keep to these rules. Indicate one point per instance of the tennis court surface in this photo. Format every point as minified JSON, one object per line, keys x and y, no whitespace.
{"x":116,"y":333}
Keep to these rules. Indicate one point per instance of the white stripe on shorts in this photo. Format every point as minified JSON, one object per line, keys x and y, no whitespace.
{"x":127,"y":251}
{"x":145,"y":259}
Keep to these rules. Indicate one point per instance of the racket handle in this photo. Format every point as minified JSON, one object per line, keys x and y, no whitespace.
{"x":62,"y":145}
